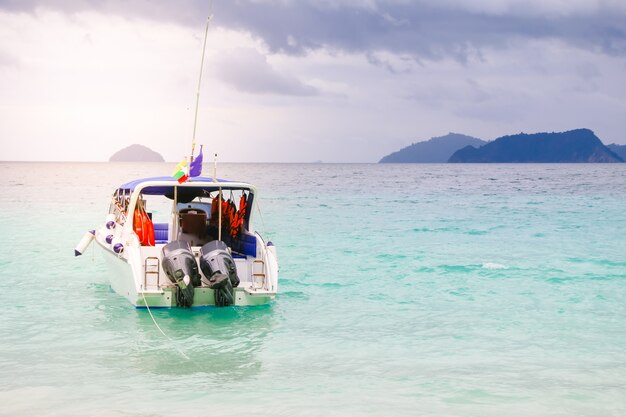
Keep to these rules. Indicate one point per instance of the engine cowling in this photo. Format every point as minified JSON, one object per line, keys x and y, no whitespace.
{"x":220,"y":271}
{"x":181,"y":268}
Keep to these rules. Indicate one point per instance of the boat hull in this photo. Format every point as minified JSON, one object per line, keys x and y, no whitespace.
{"x":203,"y":297}
{"x":123,"y":282}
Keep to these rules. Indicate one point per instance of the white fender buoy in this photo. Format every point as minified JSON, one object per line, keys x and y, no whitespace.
{"x":272,"y":249}
{"x":84,"y":242}
{"x":110,"y":221}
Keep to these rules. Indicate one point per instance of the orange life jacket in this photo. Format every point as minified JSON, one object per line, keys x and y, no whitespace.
{"x":237,"y":223}
{"x":234,"y":220}
{"x":215,"y":210}
{"x":243,"y":205}
{"x":144,"y":229}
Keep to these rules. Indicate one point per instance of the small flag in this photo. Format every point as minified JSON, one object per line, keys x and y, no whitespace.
{"x":196,"y":165}
{"x":180,"y":172}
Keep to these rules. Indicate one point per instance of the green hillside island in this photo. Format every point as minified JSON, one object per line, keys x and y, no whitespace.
{"x":580,"y":145}
{"x":436,"y":150}
{"x":136,"y":153}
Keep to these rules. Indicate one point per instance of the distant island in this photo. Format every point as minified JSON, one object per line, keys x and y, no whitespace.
{"x":136,"y":153}
{"x":580,"y":145}
{"x":435,"y":150}
{"x":619,"y":150}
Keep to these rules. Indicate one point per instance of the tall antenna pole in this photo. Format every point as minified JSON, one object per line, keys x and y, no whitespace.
{"x":219,"y":216}
{"x":195,"y":118}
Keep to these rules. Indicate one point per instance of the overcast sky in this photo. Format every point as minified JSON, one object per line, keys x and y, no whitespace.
{"x":303,"y":80}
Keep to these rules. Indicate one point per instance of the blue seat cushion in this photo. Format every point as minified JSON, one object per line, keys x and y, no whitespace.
{"x":160,"y":232}
{"x":248,"y":244}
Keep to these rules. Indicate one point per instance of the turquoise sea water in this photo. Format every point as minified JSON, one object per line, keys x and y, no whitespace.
{"x":405,"y":290}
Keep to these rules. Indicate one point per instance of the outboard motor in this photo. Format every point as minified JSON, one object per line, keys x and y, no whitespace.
{"x":220,"y":272}
{"x":181,"y":268}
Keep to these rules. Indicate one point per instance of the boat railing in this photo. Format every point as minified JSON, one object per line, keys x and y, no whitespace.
{"x":258,"y":274}
{"x":151,"y":267}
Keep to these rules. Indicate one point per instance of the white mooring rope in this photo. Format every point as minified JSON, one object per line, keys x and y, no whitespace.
{"x":161,"y":330}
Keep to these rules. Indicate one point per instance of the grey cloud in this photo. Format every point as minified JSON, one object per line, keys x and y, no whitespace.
{"x":247,"y":70}
{"x":404,"y":67}
{"x":423,"y":30}
{"x":587,"y":71}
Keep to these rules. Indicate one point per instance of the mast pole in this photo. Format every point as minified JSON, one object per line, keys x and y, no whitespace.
{"x":195,"y":118}
{"x":219,"y":216}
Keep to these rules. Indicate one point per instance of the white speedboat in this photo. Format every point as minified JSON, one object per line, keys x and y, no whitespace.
{"x":187,"y":244}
